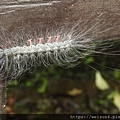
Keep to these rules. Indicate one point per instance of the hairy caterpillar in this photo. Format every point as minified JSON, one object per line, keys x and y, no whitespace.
{"x":62,"y":46}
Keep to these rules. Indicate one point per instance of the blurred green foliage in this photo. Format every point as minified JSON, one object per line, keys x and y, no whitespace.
{"x":46,"y":90}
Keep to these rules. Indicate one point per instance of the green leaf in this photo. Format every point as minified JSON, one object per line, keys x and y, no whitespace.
{"x":28,"y":84}
{"x":100,"y":82}
{"x":89,"y":60}
{"x":42,"y":89}
{"x":116,"y":74}
{"x":116,"y":100}
{"x":111,"y":95}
